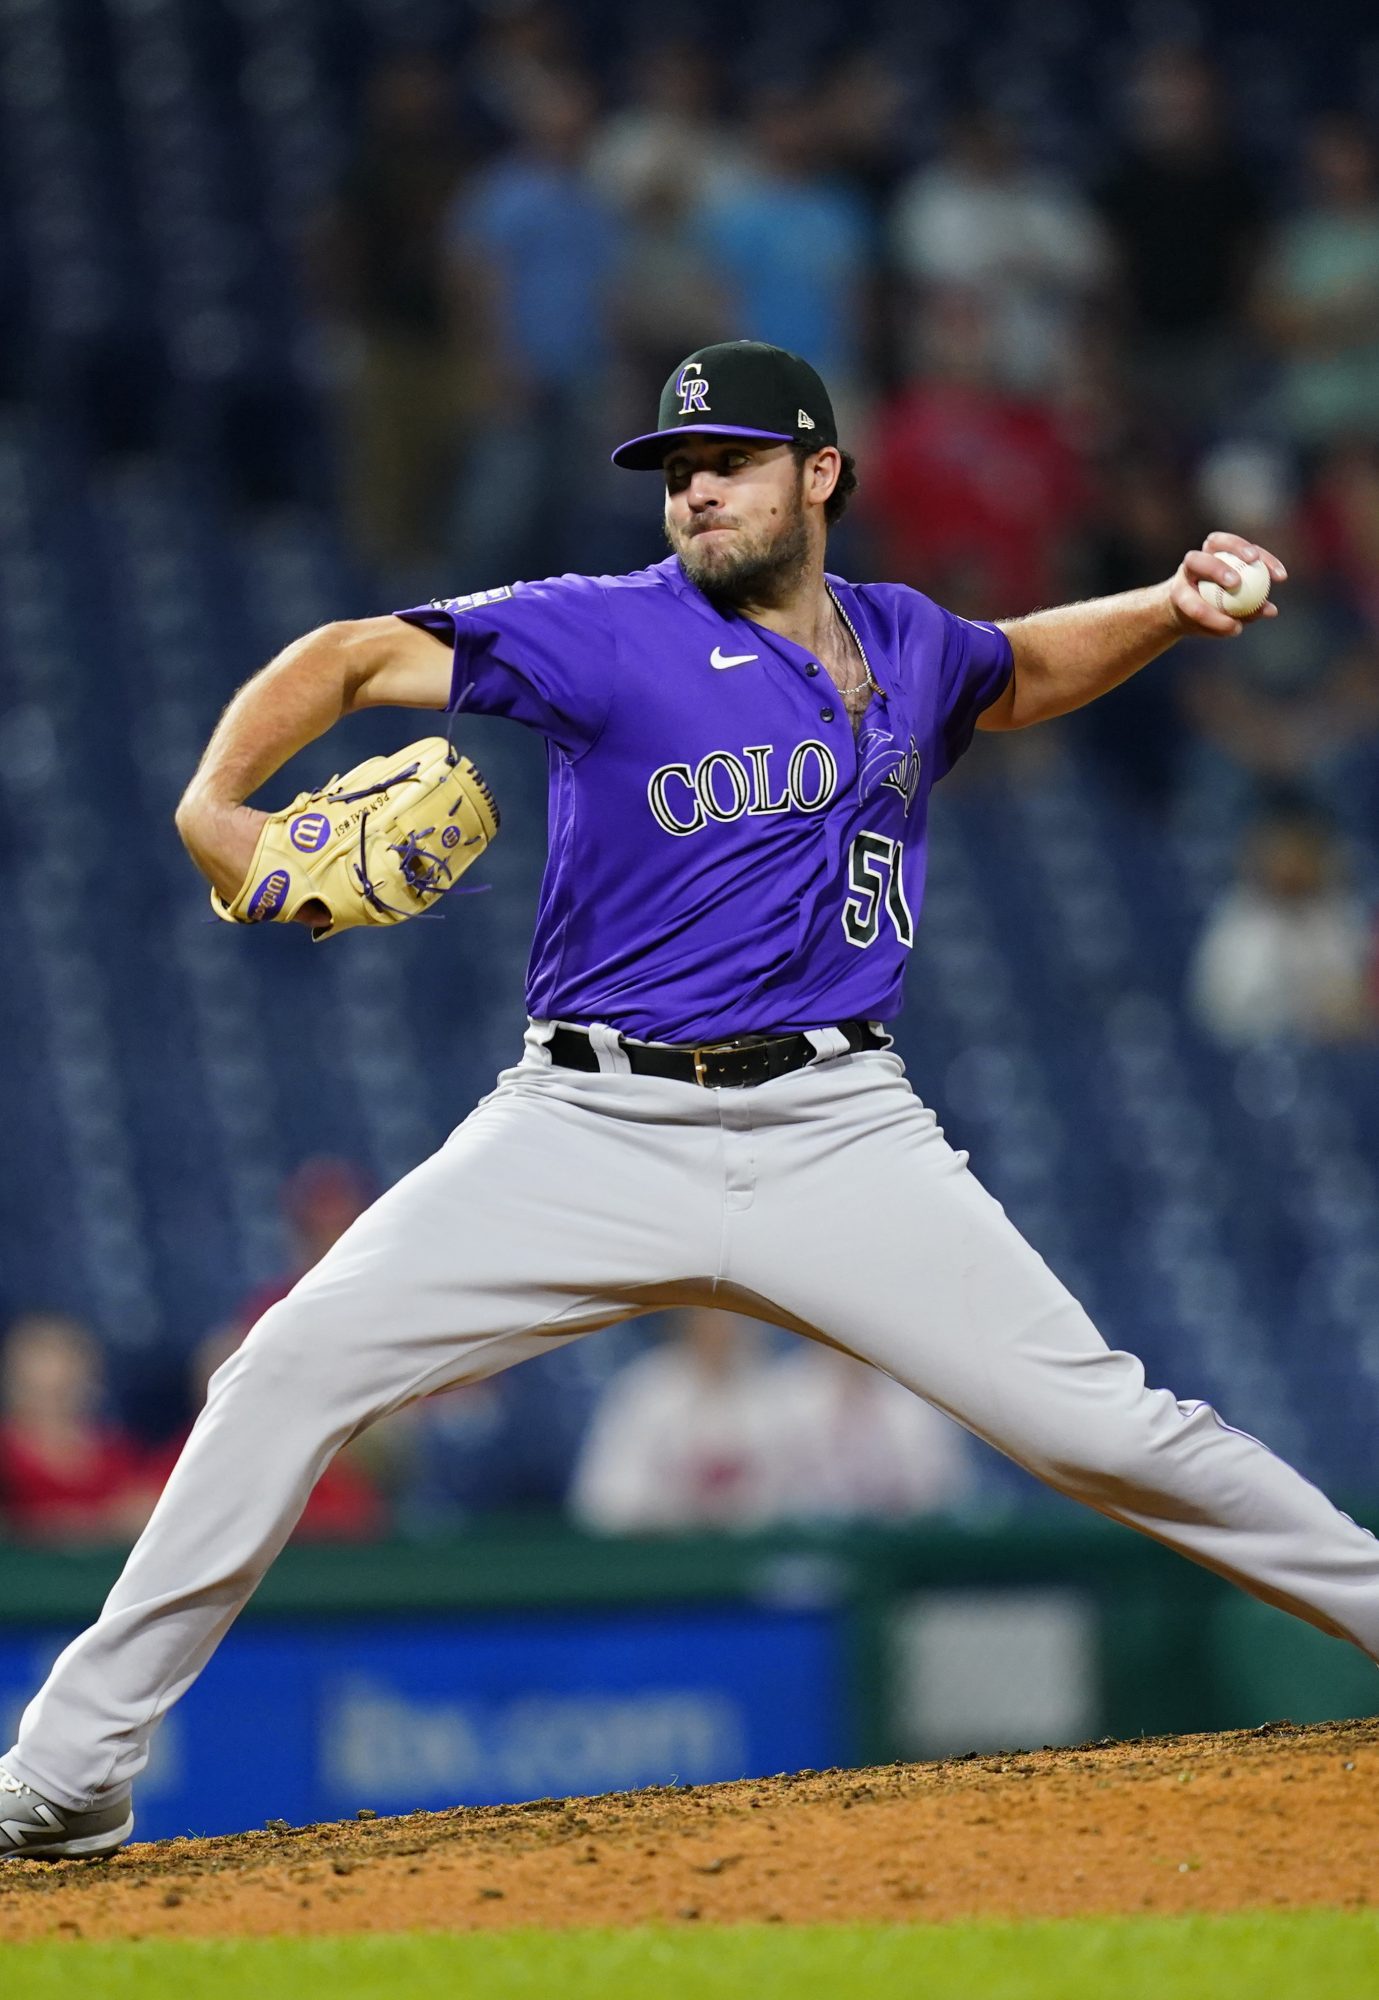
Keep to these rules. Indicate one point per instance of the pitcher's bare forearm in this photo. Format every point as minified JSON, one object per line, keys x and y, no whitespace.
{"x":295,"y":699}
{"x":306,"y":689}
{"x":1066,"y":657}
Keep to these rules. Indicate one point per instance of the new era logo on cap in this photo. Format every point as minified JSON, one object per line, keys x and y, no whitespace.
{"x":758,"y":392}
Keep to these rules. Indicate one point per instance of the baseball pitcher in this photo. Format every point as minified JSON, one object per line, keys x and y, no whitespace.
{"x":706,"y":1108}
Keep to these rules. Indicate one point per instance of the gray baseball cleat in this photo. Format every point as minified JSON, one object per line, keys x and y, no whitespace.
{"x":31,"y":1825}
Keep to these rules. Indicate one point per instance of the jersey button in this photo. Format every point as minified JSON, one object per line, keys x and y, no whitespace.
{"x":812,"y":668}
{"x":825,"y":715}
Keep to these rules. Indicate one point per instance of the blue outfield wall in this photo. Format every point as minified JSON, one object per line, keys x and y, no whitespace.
{"x":525,"y":1660}
{"x":310,"y":1721}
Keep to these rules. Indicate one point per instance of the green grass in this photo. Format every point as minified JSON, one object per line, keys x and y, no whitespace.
{"x":1293,"y":1957}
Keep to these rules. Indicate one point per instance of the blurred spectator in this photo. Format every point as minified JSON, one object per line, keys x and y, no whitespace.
{"x":657,"y":160}
{"x":863,"y":122}
{"x":345,"y":1503}
{"x":668,"y":132}
{"x":1250,"y":482}
{"x":1318,"y":294}
{"x":509,"y":1442}
{"x":793,"y":243}
{"x":1184,"y":210}
{"x":516,"y":47}
{"x":1293,"y":702}
{"x":1343,"y":523}
{"x":1028,"y":246}
{"x":1286,"y":951}
{"x":669,"y":298}
{"x":969,"y":492}
{"x":319,"y":1200}
{"x":406,"y":373}
{"x":535,"y":249}
{"x":683,"y":1437}
{"x":1143,"y":523}
{"x":68,"y":1473}
{"x":711,"y":1430}
{"x":1150,"y":514}
{"x":856,"y":1445}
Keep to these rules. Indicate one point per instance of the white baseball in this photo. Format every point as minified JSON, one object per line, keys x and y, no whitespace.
{"x":1247,"y":596}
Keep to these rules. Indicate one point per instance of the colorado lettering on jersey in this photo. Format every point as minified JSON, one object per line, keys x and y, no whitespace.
{"x":723,"y":786}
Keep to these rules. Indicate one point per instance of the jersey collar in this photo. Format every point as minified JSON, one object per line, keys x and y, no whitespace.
{"x":848,"y":595}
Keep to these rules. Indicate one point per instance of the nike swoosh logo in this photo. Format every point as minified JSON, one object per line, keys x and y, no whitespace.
{"x":720,"y":660}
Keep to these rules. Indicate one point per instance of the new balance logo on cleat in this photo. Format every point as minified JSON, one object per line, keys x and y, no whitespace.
{"x":15,"y":1832}
{"x":33,"y":1826}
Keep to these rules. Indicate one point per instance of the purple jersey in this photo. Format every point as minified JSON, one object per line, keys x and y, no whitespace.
{"x":725,"y":856}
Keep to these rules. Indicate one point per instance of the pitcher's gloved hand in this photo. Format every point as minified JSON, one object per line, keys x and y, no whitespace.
{"x":379,"y":844}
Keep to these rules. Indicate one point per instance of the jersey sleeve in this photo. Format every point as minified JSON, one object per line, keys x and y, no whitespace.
{"x":977,"y":661}
{"x":539,"y":653}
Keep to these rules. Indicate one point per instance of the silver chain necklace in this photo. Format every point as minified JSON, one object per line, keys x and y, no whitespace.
{"x":868,"y":680}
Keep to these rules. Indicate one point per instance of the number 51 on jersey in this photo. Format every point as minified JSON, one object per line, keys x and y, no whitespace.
{"x":874,"y":884}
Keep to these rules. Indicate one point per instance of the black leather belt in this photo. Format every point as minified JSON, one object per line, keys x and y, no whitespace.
{"x":737,"y":1064}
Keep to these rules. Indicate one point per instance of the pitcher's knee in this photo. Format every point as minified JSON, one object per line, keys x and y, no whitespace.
{"x":284,"y":1340}
{"x":1109,"y":1455}
{"x":291,"y":1360}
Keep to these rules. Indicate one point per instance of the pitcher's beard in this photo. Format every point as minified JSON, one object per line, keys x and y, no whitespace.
{"x":746,"y":573}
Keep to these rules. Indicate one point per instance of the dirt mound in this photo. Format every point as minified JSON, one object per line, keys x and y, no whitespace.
{"x":1279,"y":1817}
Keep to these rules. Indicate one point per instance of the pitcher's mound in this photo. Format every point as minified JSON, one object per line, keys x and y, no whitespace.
{"x":1279,"y":1817}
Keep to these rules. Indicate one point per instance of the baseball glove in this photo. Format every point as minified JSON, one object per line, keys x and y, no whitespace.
{"x":381,"y":843}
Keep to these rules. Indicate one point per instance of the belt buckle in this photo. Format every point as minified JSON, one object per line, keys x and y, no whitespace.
{"x":710,"y":1049}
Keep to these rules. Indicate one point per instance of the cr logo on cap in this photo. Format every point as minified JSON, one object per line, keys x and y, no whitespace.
{"x":693,"y":389}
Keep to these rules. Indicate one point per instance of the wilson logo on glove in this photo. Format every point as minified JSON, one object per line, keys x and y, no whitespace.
{"x":267,"y":899}
{"x":309,"y":832}
{"x":399,"y":834}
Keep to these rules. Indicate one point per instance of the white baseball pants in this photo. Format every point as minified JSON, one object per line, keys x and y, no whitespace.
{"x":827,"y":1201}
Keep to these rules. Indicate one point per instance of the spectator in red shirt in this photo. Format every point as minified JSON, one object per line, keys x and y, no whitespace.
{"x":319,"y":1202}
{"x":67,"y":1473}
{"x":345,"y":1504}
{"x":970,"y":491}
{"x":1342,"y":522}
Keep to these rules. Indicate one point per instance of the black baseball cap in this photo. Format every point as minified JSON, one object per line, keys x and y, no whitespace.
{"x":738,"y":388}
